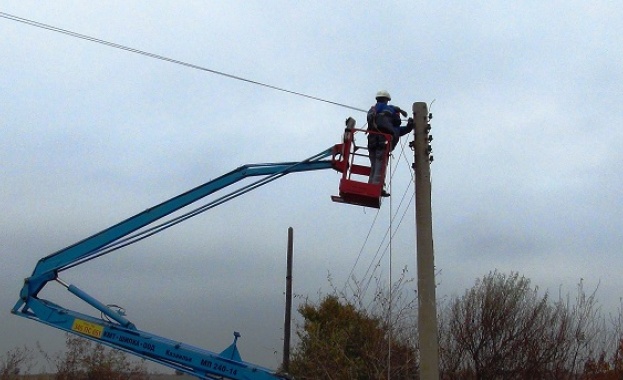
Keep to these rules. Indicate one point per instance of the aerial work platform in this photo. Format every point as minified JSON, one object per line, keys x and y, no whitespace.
{"x":355,"y":185}
{"x":114,"y":329}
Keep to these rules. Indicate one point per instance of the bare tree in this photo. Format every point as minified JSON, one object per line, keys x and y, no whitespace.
{"x":503,"y":329}
{"x":85,"y":360}
{"x":16,"y":362}
{"x":608,"y":365}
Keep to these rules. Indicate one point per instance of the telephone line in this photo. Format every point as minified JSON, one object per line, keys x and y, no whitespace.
{"x":167,"y":59}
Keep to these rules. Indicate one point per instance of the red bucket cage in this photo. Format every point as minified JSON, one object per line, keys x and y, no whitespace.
{"x":353,"y":162}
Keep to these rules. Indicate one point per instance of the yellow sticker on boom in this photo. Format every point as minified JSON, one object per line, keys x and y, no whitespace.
{"x":88,"y":328}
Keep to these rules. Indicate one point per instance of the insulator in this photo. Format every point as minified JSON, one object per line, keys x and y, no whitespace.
{"x":429,"y":149}
{"x":430,"y":158}
{"x":430,"y":138}
{"x":430,"y":116}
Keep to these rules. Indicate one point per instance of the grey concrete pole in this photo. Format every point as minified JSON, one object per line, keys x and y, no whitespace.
{"x":288,"y":316}
{"x":427,"y":304}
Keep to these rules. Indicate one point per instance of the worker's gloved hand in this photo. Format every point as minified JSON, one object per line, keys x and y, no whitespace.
{"x":401,"y":111}
{"x":410,"y":124}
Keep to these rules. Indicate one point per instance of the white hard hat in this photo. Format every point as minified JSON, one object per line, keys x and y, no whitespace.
{"x":383,"y":94}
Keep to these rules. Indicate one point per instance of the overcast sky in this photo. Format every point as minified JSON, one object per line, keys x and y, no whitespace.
{"x":527,"y":143}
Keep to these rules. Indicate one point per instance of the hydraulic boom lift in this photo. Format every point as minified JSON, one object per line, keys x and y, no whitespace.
{"x":115,"y":330}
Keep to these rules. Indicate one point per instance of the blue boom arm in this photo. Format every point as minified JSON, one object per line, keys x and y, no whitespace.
{"x":118,"y":332}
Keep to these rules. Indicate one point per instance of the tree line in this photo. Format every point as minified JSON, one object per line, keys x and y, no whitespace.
{"x":502,"y":327}
{"x":82,"y":359}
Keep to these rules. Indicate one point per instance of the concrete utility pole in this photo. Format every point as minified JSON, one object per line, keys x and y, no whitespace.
{"x":288,"y":317}
{"x":427,"y":304}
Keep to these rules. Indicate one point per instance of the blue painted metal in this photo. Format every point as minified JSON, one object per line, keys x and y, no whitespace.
{"x":118,"y":332}
{"x":48,"y":266}
{"x":179,"y":356}
{"x":100,"y":306}
{"x":232,"y":352}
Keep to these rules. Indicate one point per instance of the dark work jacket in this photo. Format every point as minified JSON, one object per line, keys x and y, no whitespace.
{"x":387,"y":120}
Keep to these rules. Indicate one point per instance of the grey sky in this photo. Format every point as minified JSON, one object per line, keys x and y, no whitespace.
{"x":527,"y":136}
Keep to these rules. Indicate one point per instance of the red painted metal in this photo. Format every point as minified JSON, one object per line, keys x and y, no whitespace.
{"x":354,"y":165}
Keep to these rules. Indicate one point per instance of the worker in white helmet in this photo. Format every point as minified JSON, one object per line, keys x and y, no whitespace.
{"x":384,"y":118}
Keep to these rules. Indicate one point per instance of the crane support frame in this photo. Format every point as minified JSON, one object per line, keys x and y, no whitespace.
{"x":113,"y":328}
{"x":176,"y":355}
{"x":117,"y":331}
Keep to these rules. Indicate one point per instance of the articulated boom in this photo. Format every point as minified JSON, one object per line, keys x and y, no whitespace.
{"x":117,"y":331}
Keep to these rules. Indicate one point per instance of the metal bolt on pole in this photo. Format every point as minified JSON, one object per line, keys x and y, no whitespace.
{"x":427,"y":305}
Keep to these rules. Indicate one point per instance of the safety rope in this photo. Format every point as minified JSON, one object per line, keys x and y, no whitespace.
{"x":389,"y":305}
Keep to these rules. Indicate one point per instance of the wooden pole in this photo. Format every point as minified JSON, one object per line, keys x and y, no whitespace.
{"x":427,"y":304}
{"x":288,"y":316}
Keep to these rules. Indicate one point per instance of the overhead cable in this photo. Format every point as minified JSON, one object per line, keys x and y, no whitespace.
{"x":383,"y":245}
{"x":167,"y":59}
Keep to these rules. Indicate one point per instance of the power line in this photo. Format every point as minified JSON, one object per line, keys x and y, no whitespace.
{"x":231,"y":76}
{"x":383,"y":246}
{"x":167,"y":59}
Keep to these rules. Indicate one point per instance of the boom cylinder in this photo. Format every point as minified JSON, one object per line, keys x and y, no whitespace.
{"x":97,"y":304}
